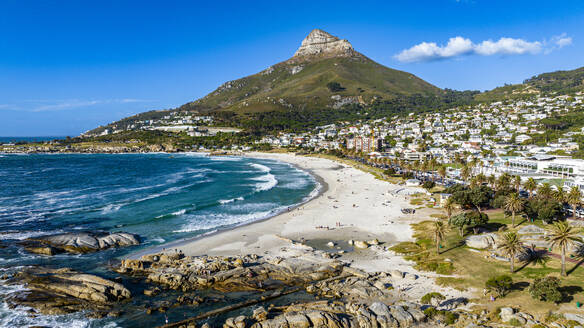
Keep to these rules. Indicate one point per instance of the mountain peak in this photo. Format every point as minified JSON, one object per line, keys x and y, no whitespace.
{"x":319,"y":42}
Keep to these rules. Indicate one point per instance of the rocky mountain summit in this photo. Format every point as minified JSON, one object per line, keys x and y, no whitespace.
{"x":319,"y":42}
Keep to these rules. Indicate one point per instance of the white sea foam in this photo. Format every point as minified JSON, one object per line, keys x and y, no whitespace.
{"x":178,"y":213}
{"x":21,"y":235}
{"x":267,"y":181}
{"x":296,"y":184}
{"x":211,"y":221}
{"x":225,"y":158}
{"x":227,"y":201}
{"x":20,"y":317}
{"x":111,"y":208}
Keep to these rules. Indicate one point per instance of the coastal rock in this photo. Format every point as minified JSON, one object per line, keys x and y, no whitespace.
{"x":78,"y":242}
{"x":58,"y":291}
{"x":404,"y":318}
{"x":246,"y":273}
{"x":361,"y":244}
{"x":396,"y":274}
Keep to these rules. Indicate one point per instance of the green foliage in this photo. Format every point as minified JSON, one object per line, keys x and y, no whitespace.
{"x":515,"y":322}
{"x":448,"y":318}
{"x":498,"y":201}
{"x":546,"y":289}
{"x":427,"y":299}
{"x":428,"y":184}
{"x":500,"y":285}
{"x":477,"y":197}
{"x":334,"y":86}
{"x":390,"y":171}
{"x":547,"y":210}
{"x":468,"y":219}
{"x":438,"y":267}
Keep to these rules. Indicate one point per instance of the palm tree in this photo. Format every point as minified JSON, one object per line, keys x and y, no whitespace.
{"x":513,"y":204}
{"x":481,"y":178}
{"x":442,"y":172}
{"x":439,"y":230}
{"x":530,"y":185}
{"x":503,"y":181}
{"x":517,"y":182}
{"x":562,"y":236}
{"x":465,"y":173}
{"x":491,"y":180}
{"x":560,"y":195}
{"x":511,"y":246}
{"x":449,"y":207}
{"x":574,"y":198}
{"x":545,"y":191}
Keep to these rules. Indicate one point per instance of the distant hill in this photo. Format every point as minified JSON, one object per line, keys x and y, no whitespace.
{"x":561,"y":82}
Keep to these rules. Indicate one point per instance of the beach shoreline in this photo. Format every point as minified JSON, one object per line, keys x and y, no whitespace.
{"x":354,"y":206}
{"x":320,"y":189}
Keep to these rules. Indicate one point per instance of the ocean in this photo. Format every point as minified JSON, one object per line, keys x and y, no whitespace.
{"x":161,"y":197}
{"x":4,"y":140}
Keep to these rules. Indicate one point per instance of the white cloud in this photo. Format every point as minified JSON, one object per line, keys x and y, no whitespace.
{"x":562,"y":40}
{"x":508,"y":46}
{"x":459,"y":46}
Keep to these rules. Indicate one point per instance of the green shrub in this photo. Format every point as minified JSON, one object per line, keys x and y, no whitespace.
{"x":514,"y":322}
{"x":427,"y":299}
{"x":546,"y":289}
{"x":448,"y":318}
{"x":334,"y":86}
{"x":428,"y":184}
{"x":438,"y":267}
{"x":500,"y":285}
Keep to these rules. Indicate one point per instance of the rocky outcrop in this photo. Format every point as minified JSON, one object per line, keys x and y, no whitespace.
{"x":78,"y":242}
{"x":321,"y":43}
{"x":323,"y":314}
{"x":482,"y":241}
{"x":59,"y":291}
{"x":247,"y":273}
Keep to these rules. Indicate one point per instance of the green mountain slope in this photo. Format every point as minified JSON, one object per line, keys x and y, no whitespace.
{"x":561,"y":82}
{"x":301,"y":83}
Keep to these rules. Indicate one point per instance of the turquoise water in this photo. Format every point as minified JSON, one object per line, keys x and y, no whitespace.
{"x":160,"y":197}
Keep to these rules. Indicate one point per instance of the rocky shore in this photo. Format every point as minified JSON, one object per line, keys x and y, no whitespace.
{"x":78,"y":242}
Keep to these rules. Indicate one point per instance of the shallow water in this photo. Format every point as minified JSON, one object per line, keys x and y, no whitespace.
{"x":160,"y":197}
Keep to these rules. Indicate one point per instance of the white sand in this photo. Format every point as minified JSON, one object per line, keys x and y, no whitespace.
{"x":366,"y":208}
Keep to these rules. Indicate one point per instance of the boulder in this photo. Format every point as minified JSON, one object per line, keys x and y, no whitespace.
{"x":410,"y":276}
{"x":78,"y":242}
{"x":361,"y":244}
{"x":482,"y":241}
{"x":396,"y":274}
{"x":260,"y":314}
{"x":404,"y":318}
{"x":59,"y":291}
{"x":380,"y":309}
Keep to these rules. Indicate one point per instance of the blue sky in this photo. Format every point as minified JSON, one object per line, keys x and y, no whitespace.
{"x":69,"y":66}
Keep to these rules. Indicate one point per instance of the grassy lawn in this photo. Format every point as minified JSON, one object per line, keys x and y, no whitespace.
{"x":470,"y":269}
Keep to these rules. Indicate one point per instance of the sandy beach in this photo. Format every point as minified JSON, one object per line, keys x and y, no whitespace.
{"x":353,"y":205}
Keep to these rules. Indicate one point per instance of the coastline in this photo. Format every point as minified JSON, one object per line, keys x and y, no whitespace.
{"x":351,"y":205}
{"x":320,"y":189}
